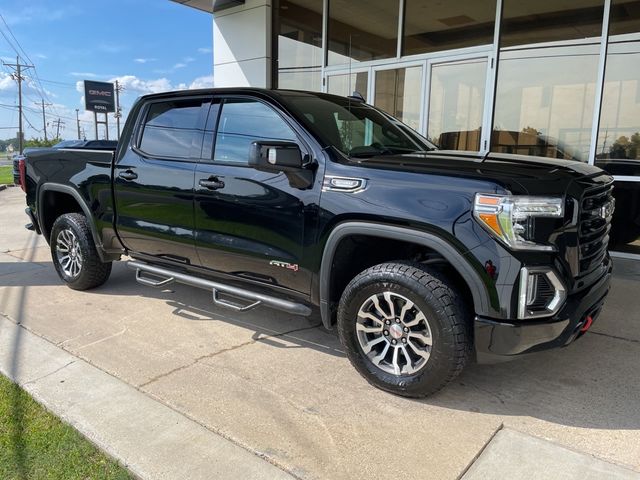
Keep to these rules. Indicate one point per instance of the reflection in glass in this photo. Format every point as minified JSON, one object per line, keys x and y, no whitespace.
{"x":299,"y":28}
{"x":243,"y":122}
{"x":362,"y":30}
{"x":545,"y":100}
{"x":618,"y":149}
{"x":436,"y":26}
{"x":456,"y":104}
{"x":537,"y":22}
{"x":345,"y":85}
{"x":398,"y":93}
{"x":170,"y":128}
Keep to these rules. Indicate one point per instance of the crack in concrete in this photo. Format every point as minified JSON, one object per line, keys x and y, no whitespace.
{"x":224,"y":350}
{"x":50,"y":373}
{"x":615,"y":337}
{"x":481,"y":451}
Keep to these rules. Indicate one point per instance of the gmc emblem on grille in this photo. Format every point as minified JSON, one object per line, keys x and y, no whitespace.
{"x":607,"y":210}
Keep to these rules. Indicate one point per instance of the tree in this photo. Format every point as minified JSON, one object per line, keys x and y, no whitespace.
{"x":39,"y":142}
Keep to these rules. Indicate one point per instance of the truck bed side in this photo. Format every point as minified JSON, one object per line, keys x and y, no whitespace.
{"x":73,"y":180}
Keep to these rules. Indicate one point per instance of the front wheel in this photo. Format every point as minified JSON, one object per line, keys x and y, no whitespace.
{"x":74,"y":254}
{"x":404,"y":328}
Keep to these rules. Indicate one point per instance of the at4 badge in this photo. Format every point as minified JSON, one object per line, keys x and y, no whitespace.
{"x":288,"y":266}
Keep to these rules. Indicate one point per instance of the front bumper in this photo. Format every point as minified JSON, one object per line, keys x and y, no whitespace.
{"x":497,"y":341}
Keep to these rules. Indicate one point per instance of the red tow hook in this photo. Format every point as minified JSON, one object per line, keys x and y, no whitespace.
{"x":587,"y":324}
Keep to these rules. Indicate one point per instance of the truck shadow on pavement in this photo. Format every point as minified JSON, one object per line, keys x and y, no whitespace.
{"x":592,"y":383}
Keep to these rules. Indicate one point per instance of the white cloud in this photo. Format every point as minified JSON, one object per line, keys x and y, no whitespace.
{"x":110,"y":47}
{"x":188,"y":59}
{"x":179,"y":65}
{"x":202,"y":82}
{"x":29,"y":86}
{"x":133,"y":83}
{"x":144,"y":60}
{"x":6,"y":82}
{"x":205,"y":50}
{"x":83,"y":74}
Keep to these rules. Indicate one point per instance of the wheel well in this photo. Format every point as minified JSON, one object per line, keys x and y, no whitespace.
{"x":356,"y":253}
{"x":53,"y":205}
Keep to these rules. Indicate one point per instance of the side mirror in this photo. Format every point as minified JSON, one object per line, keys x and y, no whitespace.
{"x":273,"y":156}
{"x":286,"y":157}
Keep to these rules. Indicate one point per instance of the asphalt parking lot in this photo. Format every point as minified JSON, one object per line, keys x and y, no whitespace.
{"x":280,"y":386}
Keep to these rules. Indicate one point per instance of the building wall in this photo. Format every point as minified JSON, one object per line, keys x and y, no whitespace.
{"x":242,"y":45}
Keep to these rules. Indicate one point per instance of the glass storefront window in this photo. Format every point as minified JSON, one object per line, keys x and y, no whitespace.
{"x":618,"y":150}
{"x":398,"y":92}
{"x":299,"y":27}
{"x":347,"y":84}
{"x":436,"y":26}
{"x":546,"y":89}
{"x":526,"y":23}
{"x":456,"y":104}
{"x":361,"y":31}
{"x":545,"y":100}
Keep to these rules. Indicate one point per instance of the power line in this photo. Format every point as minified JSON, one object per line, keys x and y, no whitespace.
{"x":42,"y":92}
{"x":18,"y":78}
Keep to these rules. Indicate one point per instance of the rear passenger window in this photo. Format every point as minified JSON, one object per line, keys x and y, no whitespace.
{"x":243,"y":122}
{"x":171,"y":129}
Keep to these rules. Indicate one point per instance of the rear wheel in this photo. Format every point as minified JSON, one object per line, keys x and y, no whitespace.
{"x":74,"y":254}
{"x":404,"y":328}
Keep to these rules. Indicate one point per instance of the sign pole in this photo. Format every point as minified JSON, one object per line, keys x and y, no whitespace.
{"x":95,"y":123}
{"x":106,"y":124}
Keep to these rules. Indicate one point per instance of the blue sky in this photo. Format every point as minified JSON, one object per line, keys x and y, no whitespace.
{"x":148,"y":45}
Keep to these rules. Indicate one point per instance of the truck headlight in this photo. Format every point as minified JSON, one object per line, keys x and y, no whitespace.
{"x":510,"y":217}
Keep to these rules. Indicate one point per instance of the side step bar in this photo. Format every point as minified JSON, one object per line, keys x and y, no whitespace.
{"x":169,"y":276}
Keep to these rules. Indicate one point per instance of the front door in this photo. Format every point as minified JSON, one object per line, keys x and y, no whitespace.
{"x":153,"y":180}
{"x":248,"y":223}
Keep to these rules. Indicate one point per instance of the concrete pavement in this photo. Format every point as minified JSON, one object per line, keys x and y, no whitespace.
{"x":281,"y":387}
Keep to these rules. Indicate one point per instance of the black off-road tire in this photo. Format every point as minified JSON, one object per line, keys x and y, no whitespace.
{"x":93,"y":272}
{"x":440,"y":303}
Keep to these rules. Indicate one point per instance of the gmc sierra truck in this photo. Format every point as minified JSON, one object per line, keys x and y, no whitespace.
{"x":315,"y":204}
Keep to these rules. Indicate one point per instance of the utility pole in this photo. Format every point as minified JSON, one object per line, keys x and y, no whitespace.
{"x":18,"y":78}
{"x":78,"y":122}
{"x":58,"y":123}
{"x":118,"y":113}
{"x":44,"y":119}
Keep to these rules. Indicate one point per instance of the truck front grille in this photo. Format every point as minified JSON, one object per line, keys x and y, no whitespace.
{"x":594,"y":224}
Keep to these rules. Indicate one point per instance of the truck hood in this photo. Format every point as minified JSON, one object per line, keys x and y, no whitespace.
{"x":518,"y":174}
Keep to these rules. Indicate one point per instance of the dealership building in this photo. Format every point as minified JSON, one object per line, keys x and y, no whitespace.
{"x":554,"y":78}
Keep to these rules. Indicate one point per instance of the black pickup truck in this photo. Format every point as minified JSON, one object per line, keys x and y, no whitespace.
{"x":315,"y":204}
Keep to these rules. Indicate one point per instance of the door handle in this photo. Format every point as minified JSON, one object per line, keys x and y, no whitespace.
{"x":128,"y":175}
{"x":212,"y":183}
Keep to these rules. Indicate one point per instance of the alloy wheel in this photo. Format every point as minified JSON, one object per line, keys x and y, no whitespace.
{"x":68,"y":253}
{"x":394,"y":333}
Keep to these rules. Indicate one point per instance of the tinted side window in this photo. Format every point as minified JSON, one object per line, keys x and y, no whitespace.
{"x":171,"y":128}
{"x":245,"y":121}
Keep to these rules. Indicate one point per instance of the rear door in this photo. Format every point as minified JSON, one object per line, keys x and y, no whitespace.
{"x":248,"y":223}
{"x":153,"y":179}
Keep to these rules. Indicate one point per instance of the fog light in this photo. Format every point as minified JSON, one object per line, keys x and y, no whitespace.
{"x":541,"y":293}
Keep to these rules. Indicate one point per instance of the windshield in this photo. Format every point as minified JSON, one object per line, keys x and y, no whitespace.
{"x":355,"y":128}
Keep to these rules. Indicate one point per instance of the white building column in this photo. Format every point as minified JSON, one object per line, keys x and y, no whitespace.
{"x":242,"y":45}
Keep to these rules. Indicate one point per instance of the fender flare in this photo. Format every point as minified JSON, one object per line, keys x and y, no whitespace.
{"x":57,"y":187}
{"x":472,"y":278}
